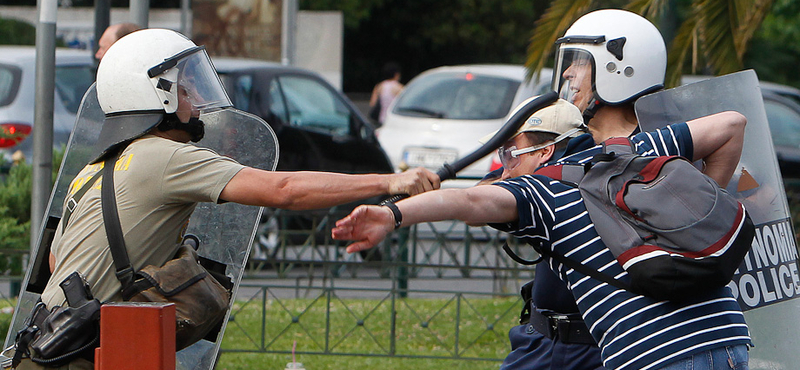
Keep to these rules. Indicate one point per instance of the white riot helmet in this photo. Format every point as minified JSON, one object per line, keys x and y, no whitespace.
{"x":609,"y":56}
{"x":143,"y":77}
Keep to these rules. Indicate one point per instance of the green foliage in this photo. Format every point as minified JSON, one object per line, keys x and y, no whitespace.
{"x":6,"y":313}
{"x":15,"y":211}
{"x":353,"y":11}
{"x":777,"y":44}
{"x":16,"y":32}
{"x":420,"y":35}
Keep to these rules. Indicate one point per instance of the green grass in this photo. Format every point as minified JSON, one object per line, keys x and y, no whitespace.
{"x":424,"y":328}
{"x":359,"y":334}
{"x":230,"y":361}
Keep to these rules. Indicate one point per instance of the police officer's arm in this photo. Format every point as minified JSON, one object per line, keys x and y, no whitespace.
{"x":312,"y":190}
{"x":369,"y":225}
{"x":718,"y":139}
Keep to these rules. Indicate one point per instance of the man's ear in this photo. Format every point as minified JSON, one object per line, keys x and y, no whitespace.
{"x":547,"y":152}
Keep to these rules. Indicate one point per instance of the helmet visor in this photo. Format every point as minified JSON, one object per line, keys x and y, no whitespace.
{"x":199,"y":83}
{"x":574,"y":78}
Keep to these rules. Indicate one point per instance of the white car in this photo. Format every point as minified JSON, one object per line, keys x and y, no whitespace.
{"x":443,"y":112}
{"x":75,"y":72}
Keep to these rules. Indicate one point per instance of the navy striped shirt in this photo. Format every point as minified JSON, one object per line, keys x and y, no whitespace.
{"x":633,"y":331}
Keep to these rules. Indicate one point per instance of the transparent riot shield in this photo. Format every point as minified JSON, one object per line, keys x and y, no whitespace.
{"x":226,"y":231}
{"x":767,"y":283}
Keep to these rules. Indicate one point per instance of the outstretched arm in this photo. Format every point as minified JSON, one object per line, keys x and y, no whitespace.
{"x":313,"y":190}
{"x":369,"y":225}
{"x":718,"y":139}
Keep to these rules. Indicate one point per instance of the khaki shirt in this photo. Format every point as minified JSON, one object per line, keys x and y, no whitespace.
{"x":157,"y":182}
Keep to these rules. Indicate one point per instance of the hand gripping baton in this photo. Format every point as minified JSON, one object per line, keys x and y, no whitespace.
{"x":448,"y":171}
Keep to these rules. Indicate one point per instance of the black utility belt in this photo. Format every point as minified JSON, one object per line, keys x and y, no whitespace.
{"x":564,"y":328}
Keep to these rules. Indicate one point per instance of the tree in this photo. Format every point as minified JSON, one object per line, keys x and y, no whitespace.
{"x":15,"y":211}
{"x":776,"y":45}
{"x":712,"y":38}
{"x":424,"y":34}
{"x":16,"y":32}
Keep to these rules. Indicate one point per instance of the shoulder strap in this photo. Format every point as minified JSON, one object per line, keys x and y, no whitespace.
{"x":72,"y":203}
{"x":617,"y":146}
{"x":116,"y":240}
{"x":568,"y":172}
{"x":577,"y":266}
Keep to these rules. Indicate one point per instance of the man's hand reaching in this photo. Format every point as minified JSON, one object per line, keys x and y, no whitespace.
{"x":366,"y":225}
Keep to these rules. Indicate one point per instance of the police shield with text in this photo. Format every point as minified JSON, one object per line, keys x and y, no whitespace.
{"x":767,"y":283}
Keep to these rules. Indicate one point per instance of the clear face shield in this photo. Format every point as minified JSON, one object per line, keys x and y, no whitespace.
{"x":199,"y":84}
{"x":189,"y":83}
{"x":574,"y":78}
{"x":189,"y":86}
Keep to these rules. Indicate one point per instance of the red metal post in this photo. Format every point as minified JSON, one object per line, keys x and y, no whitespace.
{"x":136,"y":336}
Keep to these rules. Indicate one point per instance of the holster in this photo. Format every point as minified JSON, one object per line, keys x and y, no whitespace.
{"x":56,"y":337}
{"x":564,"y":328}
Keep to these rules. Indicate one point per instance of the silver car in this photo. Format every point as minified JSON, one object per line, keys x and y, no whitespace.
{"x":443,"y":112}
{"x":75,"y":72}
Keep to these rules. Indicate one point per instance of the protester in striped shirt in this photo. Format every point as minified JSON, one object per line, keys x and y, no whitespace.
{"x":633,"y":331}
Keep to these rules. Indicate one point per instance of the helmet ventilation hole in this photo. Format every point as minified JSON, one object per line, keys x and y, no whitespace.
{"x":628,"y":71}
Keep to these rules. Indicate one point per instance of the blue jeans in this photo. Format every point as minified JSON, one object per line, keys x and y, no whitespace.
{"x":530,"y":350}
{"x":721,"y":358}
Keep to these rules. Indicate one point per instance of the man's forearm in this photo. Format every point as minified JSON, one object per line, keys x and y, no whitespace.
{"x":301,"y":190}
{"x":718,"y":139}
{"x":483,"y":204}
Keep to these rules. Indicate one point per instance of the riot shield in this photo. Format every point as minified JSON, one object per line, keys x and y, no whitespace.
{"x":226,"y":231}
{"x":767,"y":283}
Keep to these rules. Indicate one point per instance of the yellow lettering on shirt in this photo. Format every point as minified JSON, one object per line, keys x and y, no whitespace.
{"x":122,"y":164}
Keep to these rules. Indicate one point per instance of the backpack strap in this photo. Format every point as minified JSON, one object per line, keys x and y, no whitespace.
{"x":519,"y":259}
{"x":618,"y":145}
{"x":577,"y":266}
{"x":568,"y":172}
{"x":566,"y":261}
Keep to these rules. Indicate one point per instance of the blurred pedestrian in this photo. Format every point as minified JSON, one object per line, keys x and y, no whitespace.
{"x":385,"y":92}
{"x":113,"y":33}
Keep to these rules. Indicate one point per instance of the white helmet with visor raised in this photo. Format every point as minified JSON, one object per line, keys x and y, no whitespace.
{"x":611,"y":56}
{"x":150,"y":75}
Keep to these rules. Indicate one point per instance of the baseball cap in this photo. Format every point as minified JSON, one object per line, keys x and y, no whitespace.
{"x":561,"y":118}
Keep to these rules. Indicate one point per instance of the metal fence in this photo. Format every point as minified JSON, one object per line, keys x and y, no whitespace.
{"x":443,"y":284}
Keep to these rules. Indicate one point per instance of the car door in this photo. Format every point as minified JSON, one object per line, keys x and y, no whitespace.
{"x":316,"y":127}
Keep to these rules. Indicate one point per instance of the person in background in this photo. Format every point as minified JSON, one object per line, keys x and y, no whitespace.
{"x":385,"y":92}
{"x":113,"y":33}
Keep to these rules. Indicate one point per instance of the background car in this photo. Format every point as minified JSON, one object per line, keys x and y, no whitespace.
{"x":782,"y":105}
{"x":443,"y":112}
{"x":75,"y":72}
{"x":318,"y":128}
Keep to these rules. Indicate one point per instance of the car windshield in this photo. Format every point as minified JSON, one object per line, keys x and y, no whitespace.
{"x":458,"y":95}
{"x":71,"y":83}
{"x":9,"y":83}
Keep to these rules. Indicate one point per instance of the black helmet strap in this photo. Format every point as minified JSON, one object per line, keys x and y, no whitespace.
{"x":195,"y":127}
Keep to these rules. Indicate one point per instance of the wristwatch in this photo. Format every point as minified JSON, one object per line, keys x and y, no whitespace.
{"x":398,"y":217}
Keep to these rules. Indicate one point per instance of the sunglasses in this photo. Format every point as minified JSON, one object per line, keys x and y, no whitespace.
{"x":509,"y":156}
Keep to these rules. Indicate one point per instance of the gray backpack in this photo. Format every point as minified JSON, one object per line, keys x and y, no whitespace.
{"x":672,"y":228}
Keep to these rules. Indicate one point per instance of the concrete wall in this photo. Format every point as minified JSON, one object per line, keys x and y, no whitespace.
{"x":320,"y":42}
